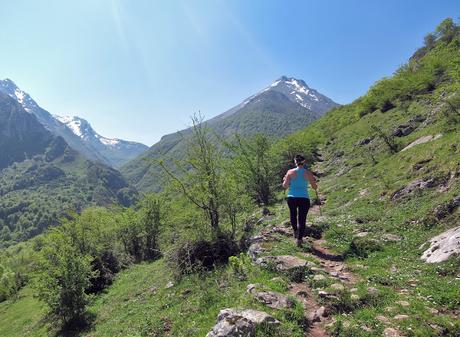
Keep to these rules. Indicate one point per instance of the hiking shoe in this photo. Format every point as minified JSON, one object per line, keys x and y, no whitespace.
{"x":299,"y":243}
{"x":295,"y":233}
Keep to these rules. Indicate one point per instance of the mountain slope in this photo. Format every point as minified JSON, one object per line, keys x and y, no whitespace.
{"x":77,"y":132}
{"x":283,"y":107}
{"x":42,"y":177}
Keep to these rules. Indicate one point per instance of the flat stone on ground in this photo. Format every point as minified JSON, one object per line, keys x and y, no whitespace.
{"x":319,"y":277}
{"x":282,"y":262}
{"x":238,"y":322}
{"x":337,"y":286}
{"x":391,"y":332}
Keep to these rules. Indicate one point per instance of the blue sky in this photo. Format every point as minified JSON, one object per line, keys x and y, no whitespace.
{"x":139,"y":69}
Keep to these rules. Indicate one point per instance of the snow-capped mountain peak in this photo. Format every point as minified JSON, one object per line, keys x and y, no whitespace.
{"x":76,"y":131}
{"x":297,"y":91}
{"x":11,"y":89}
{"x":81,"y":128}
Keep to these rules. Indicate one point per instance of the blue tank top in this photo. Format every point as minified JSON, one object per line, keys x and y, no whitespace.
{"x":298,"y":186}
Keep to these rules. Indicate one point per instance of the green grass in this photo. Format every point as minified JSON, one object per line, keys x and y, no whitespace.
{"x":22,"y":316}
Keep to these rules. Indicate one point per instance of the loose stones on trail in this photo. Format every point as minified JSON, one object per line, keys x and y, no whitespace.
{"x":270,"y":298}
{"x":443,"y":246}
{"x":318,"y":314}
{"x":237,"y":323}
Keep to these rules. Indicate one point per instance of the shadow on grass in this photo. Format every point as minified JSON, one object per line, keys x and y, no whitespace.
{"x":78,"y":327}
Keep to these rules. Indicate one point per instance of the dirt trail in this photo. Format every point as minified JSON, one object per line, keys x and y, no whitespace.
{"x":328,"y":263}
{"x":321,"y":264}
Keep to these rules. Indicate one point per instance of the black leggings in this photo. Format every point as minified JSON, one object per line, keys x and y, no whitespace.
{"x":301,"y":205}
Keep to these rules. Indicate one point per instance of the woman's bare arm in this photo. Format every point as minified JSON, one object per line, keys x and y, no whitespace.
{"x":311,"y":178}
{"x":286,"y":180}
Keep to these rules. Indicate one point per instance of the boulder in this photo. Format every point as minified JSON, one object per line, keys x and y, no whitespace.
{"x":238,"y":322}
{"x":271,"y":299}
{"x":443,"y":246}
{"x":282,"y":262}
{"x":422,"y":140}
{"x":403,"y":130}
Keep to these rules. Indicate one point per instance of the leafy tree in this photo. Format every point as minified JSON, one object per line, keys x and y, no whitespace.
{"x":62,"y":278}
{"x":131,"y":233}
{"x":255,"y":167}
{"x":151,"y":221}
{"x":201,"y":182}
{"x":446,"y":30}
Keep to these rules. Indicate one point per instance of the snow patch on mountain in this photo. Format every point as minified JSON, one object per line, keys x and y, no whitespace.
{"x":73,"y":123}
{"x":83,"y":129}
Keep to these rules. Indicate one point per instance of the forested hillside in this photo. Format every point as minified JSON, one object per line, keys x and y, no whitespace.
{"x":43,"y":179}
{"x":186,"y":262}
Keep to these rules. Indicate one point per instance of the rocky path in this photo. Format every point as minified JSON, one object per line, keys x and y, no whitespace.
{"x":309,"y":271}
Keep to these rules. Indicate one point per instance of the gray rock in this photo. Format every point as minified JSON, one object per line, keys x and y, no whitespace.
{"x":362,"y":234}
{"x":240,"y":323}
{"x":319,"y":277}
{"x":252,"y":287}
{"x":273,"y":299}
{"x":443,"y":246}
{"x":318,"y":314}
{"x":255,"y":250}
{"x":447,"y":208}
{"x":282,"y":262}
{"x":403,"y":303}
{"x":391,"y":237}
{"x":400,"y":317}
{"x":418,"y":184}
{"x":338,"y":286}
{"x":282,"y":230}
{"x":391,"y":332}
{"x":372,"y":291}
{"x":382,"y":319}
{"x":422,"y":140}
{"x":403,"y":130}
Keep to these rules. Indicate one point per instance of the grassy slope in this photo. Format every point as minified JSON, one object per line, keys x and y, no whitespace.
{"x":140,"y":304}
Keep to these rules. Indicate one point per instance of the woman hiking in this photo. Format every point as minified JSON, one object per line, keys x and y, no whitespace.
{"x":298,"y":200}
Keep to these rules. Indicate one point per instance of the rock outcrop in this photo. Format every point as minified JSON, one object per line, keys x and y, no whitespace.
{"x":238,"y":323}
{"x":443,"y":246}
{"x":282,"y":262}
{"x":422,"y":140}
{"x":271,"y":299}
